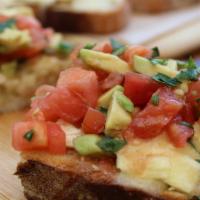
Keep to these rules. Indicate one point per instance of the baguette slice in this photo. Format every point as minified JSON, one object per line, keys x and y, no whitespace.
{"x":160,"y":5}
{"x":71,"y":177}
{"x":92,"y":16}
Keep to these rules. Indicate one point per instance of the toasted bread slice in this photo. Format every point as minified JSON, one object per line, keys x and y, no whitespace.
{"x":160,"y":5}
{"x":48,"y":177}
{"x":88,"y":16}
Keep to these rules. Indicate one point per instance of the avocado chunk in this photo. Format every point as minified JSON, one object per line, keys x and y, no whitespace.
{"x":105,"y":99}
{"x":118,"y":118}
{"x":144,"y":66}
{"x":104,"y":61}
{"x":125,"y":102}
{"x":86,"y":145}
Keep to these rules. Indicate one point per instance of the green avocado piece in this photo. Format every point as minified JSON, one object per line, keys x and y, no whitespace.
{"x":118,"y":118}
{"x":125,"y":102}
{"x":87,"y":145}
{"x":105,"y":99}
{"x":144,"y":66}
{"x":104,"y":61}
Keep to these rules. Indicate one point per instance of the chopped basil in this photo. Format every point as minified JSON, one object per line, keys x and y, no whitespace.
{"x":162,"y":78}
{"x":198,"y":160}
{"x":103,"y":110}
{"x":89,"y":46}
{"x":119,"y":51}
{"x":190,"y":75}
{"x":65,"y":48}
{"x":29,"y":135}
{"x":111,"y":145}
{"x":118,"y":47}
{"x":158,"y":61}
{"x":190,"y":64}
{"x":184,"y":123}
{"x":156,"y":52}
{"x":155,"y":100}
{"x":7,"y":24}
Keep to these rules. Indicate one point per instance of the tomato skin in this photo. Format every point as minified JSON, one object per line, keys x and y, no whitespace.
{"x":27,"y":23}
{"x":187,"y":113}
{"x":139,"y":88}
{"x":56,"y":139}
{"x":39,"y":140}
{"x":104,"y":47}
{"x":60,"y":103}
{"x":112,"y":80}
{"x":81,"y":82}
{"x":94,"y":122}
{"x":179,"y":134}
{"x":136,"y":50}
{"x":150,"y":121}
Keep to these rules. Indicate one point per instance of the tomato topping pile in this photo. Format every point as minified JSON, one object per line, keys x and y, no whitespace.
{"x":111,"y":108}
{"x":39,"y":37}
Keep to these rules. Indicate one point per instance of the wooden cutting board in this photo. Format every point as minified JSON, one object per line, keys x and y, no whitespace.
{"x":10,"y":187}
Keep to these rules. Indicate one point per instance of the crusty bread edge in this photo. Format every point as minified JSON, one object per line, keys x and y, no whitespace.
{"x":91,"y":22}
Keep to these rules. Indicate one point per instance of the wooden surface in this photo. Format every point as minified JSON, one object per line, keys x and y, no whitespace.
{"x":10,"y":187}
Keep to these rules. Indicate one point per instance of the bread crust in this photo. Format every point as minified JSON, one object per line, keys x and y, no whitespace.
{"x":91,"y":22}
{"x":42,"y":182}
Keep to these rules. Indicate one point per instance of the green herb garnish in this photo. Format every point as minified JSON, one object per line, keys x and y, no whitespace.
{"x":89,"y":46}
{"x":118,"y":47}
{"x":158,"y":61}
{"x":155,"y":52}
{"x":198,"y":160}
{"x":7,"y":24}
{"x":111,"y":145}
{"x":65,"y":48}
{"x":103,"y":110}
{"x":190,"y":75}
{"x":29,"y":135}
{"x":190,"y":64}
{"x":155,"y":100}
{"x":164,"y":79}
{"x":187,"y":124}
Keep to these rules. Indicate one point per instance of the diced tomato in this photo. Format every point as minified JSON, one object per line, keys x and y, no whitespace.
{"x":187,"y":113}
{"x":150,"y":121}
{"x":60,"y":103}
{"x":39,"y":138}
{"x":136,"y":50}
{"x":179,"y":134}
{"x":101,"y":74}
{"x":104,"y":47}
{"x":112,"y":80}
{"x":139,"y":88}
{"x":94,"y":122}
{"x":81,"y":82}
{"x":56,"y":139}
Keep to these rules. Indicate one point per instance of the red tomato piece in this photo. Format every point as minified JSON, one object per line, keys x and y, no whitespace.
{"x":136,"y":50}
{"x":139,"y":88}
{"x":112,"y":80}
{"x":94,"y":122}
{"x":81,"y":82}
{"x":101,"y":74}
{"x":104,"y":47}
{"x":39,"y":139}
{"x":60,"y":103}
{"x":44,"y":90}
{"x":150,"y":121}
{"x":187,"y":113}
{"x":179,"y":134}
{"x":56,"y":139}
